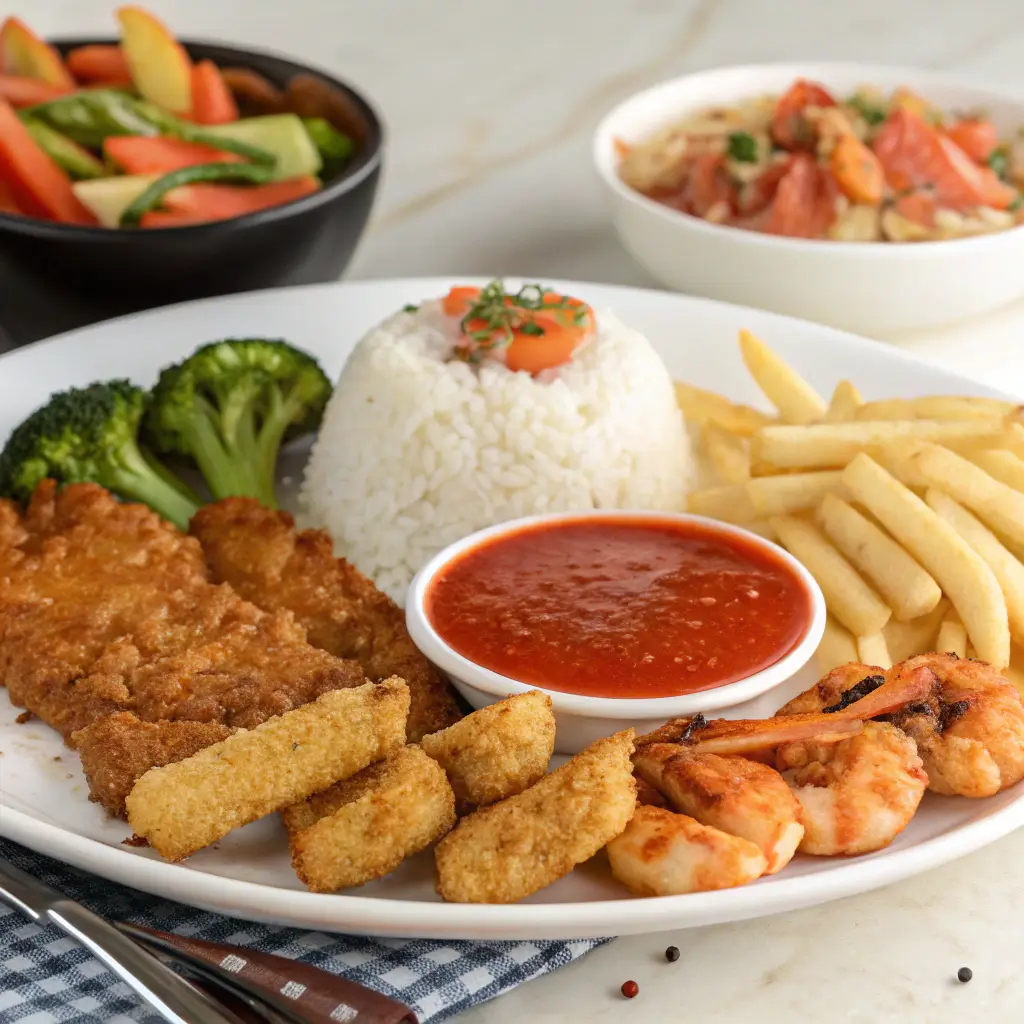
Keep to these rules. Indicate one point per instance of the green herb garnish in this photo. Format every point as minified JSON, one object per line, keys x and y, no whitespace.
{"x":409,"y":308}
{"x":743,"y":148}
{"x":871,"y":112}
{"x":998,"y":161}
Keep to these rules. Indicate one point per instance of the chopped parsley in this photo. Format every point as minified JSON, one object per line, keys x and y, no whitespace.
{"x":998,"y":161}
{"x":410,"y":308}
{"x":873,"y":113}
{"x":743,"y":148}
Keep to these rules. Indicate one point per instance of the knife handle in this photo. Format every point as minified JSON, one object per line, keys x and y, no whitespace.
{"x":171,"y":996}
{"x":297,"y":990}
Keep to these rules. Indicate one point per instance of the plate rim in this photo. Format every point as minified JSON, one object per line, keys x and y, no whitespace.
{"x":384,"y":916}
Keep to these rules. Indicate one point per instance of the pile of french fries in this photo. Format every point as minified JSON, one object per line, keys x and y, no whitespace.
{"x":908,"y":512}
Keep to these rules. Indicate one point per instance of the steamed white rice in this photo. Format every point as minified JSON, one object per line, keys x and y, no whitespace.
{"x":418,"y":450}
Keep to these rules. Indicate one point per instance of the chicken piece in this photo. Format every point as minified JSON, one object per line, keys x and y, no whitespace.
{"x":105,"y":608}
{"x":185,"y":806}
{"x":258,"y":552}
{"x":118,"y":750}
{"x":666,"y":854}
{"x":497,"y":751}
{"x":743,"y":798}
{"x":509,"y":850}
{"x":364,"y":827}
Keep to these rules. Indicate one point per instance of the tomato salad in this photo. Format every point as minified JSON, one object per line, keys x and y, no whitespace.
{"x":871,"y":167}
{"x":138,"y":135}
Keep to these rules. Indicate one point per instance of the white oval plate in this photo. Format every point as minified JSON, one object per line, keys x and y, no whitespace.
{"x":43,"y":797}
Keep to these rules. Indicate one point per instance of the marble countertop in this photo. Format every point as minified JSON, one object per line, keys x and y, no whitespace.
{"x":490,"y":106}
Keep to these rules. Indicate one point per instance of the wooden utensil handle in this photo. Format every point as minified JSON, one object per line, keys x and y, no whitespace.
{"x":299,"y":991}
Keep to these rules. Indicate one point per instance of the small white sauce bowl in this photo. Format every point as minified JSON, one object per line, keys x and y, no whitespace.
{"x":874,"y":288}
{"x":581,"y":719}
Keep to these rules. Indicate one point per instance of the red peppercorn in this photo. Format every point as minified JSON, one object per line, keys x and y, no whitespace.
{"x":630,"y":989}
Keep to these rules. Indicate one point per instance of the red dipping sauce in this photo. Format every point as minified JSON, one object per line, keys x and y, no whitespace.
{"x":620,"y":606}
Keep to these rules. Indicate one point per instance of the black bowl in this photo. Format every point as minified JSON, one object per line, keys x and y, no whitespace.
{"x":54,"y":277}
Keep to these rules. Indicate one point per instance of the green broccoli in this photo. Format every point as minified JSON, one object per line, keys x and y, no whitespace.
{"x":231,"y":405}
{"x":91,"y":434}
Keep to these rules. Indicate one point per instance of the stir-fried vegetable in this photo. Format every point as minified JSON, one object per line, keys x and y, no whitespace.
{"x":809,"y":164}
{"x":109,"y":116}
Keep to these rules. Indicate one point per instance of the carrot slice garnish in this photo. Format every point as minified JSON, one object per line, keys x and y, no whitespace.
{"x":857,"y":170}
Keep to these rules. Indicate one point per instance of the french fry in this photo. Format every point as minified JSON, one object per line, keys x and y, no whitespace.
{"x":1008,"y":571}
{"x":847,"y":596}
{"x":833,"y":445}
{"x":837,"y":647}
{"x":906,"y":587}
{"x":846,"y":401}
{"x":728,"y":503}
{"x":707,"y":407}
{"x":872,"y":650}
{"x":952,"y":637}
{"x":1010,"y":438}
{"x":729,"y":454}
{"x":961,"y":573}
{"x":905,"y":639}
{"x":762,"y":528}
{"x":936,"y":407}
{"x":1000,"y":506}
{"x":795,"y":399}
{"x":1001,"y":465}
{"x":791,"y":492}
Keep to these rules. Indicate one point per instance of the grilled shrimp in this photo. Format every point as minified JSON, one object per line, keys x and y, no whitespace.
{"x":740,"y":797}
{"x":969,"y":729}
{"x":665,"y":854}
{"x":856,"y":795}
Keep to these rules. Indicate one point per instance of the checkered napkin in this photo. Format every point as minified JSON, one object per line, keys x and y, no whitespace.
{"x":45,"y":976}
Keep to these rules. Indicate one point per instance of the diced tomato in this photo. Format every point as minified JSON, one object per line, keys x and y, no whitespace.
{"x":804,"y":205}
{"x":212,"y":101}
{"x":857,"y":170}
{"x":39,"y":186}
{"x":140,"y":154}
{"x":459,"y":299}
{"x":916,"y":155}
{"x":790,"y":128}
{"x":919,"y":207}
{"x":708,"y":185}
{"x":976,"y":136}
{"x":99,"y":64}
{"x":21,"y":91}
{"x":219,"y":202}
{"x":757,"y":194}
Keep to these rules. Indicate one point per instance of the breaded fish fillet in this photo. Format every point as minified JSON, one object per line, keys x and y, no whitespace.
{"x":509,"y":850}
{"x":497,"y":751}
{"x":185,"y":806}
{"x":106,"y":608}
{"x":364,"y":827}
{"x":259,"y":552}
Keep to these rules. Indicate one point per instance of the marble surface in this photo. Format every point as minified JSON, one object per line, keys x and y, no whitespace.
{"x":490,"y":106}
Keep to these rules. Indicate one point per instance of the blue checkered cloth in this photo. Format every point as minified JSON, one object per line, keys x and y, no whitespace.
{"x":46,"y":976}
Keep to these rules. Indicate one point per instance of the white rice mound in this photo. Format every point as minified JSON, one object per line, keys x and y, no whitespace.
{"x":417,"y":450}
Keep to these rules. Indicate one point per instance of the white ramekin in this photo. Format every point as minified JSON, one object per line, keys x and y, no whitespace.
{"x":873,"y":288}
{"x":581,"y":719}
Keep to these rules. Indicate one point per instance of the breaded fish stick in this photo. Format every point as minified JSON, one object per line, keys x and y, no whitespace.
{"x":509,"y":850}
{"x":364,"y":827}
{"x":187,"y":805}
{"x":497,"y":751}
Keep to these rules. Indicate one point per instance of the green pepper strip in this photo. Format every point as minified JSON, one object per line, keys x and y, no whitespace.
{"x":151,"y":198}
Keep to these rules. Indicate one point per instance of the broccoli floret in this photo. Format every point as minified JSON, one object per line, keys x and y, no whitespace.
{"x":231,"y":405}
{"x":91,"y":435}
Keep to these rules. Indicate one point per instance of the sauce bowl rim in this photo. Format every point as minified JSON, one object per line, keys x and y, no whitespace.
{"x":463,"y":670}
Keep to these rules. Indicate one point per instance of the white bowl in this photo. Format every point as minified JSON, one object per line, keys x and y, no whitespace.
{"x":581,"y":719}
{"x":874,"y":288}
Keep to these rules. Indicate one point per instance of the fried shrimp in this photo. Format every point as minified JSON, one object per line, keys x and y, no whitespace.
{"x":666,"y":854}
{"x":740,"y":797}
{"x":856,"y":795}
{"x":969,"y":729}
